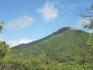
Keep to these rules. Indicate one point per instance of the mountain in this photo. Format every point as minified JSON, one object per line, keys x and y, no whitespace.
{"x":64,"y":45}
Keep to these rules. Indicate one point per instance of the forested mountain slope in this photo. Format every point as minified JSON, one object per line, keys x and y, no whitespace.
{"x":63,"y":45}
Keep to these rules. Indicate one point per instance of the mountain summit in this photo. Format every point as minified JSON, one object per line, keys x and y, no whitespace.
{"x":63,"y":45}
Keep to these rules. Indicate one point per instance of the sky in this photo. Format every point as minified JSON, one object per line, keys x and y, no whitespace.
{"x":29,"y":20}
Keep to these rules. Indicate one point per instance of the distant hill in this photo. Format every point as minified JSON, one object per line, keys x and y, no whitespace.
{"x":66,"y":44}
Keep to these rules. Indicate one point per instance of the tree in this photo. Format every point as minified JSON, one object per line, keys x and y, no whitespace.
{"x":88,"y":24}
{"x":3,"y":46}
{"x":1,"y":25}
{"x":3,"y":49}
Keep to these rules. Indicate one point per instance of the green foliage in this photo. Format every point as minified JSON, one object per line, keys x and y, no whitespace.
{"x":24,"y":64}
{"x":63,"y":50}
{"x":64,"y":45}
{"x":3,"y":49}
{"x":89,"y":25}
{"x":1,"y":25}
{"x":90,"y":40}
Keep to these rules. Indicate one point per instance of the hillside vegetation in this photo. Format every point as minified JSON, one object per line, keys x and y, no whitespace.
{"x":65,"y":49}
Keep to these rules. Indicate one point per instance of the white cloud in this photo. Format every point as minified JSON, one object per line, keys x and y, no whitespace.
{"x":13,"y":43}
{"x":20,"y":22}
{"x":49,"y":11}
{"x":84,"y":22}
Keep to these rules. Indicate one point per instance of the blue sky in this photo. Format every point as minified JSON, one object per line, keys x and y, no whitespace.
{"x":30,"y":20}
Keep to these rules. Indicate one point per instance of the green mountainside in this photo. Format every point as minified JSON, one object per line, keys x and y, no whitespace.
{"x":65,"y":49}
{"x":64,"y":45}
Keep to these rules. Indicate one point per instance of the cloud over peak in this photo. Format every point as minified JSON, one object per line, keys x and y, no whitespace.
{"x":48,"y":11}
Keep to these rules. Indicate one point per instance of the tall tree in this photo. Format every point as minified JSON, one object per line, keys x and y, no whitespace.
{"x":3,"y":49}
{"x":88,"y":24}
{"x":3,"y":46}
